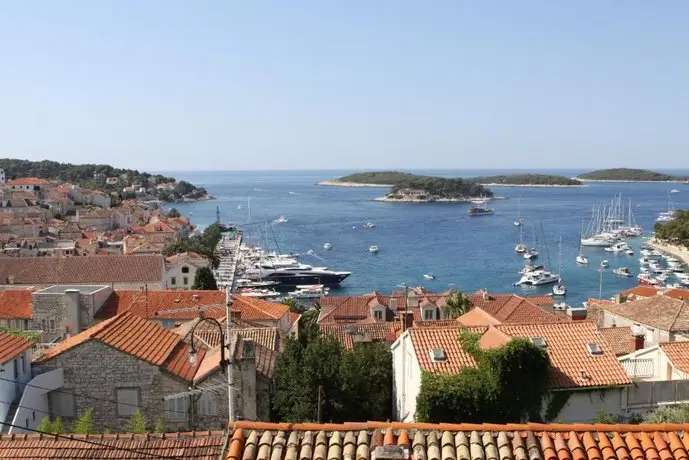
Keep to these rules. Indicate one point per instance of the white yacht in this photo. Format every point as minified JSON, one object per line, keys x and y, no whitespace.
{"x":520,"y":248}
{"x":538,"y":278}
{"x":559,"y":289}
{"x":327,"y":246}
{"x":582,"y":259}
{"x":373,"y":249}
{"x":618,"y":247}
{"x":369,"y":225}
{"x":596,"y":241}
{"x":604,"y":264}
{"x":281,"y":220}
{"x":623,"y":271}
{"x":429,"y":276}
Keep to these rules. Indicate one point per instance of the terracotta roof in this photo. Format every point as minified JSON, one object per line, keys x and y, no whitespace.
{"x":566,"y":347}
{"x":511,"y":308}
{"x":11,"y":346}
{"x":345,"y":308}
{"x":83,"y":270}
{"x":361,"y":441}
{"x":187,"y":257}
{"x":659,"y":312}
{"x":619,"y":338}
{"x":349,"y":334}
{"x":681,"y":294}
{"x":678,"y":354}
{"x":161,"y":304}
{"x":439,"y":323}
{"x":207,"y":445}
{"x":477,"y":317}
{"x":258,"y":309}
{"x":136,"y":336}
{"x":15,"y":304}
{"x":28,"y":181}
{"x":641,"y":291}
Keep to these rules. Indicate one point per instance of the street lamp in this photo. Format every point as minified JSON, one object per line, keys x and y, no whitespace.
{"x":224,"y":362}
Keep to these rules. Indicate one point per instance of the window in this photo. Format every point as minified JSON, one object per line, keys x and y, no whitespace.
{"x":185,"y":280}
{"x":176,"y":408}
{"x":51,"y":327}
{"x":62,"y":403}
{"x":127,"y":401}
{"x":378,"y":314}
{"x":173,"y":281}
{"x":23,"y":364}
{"x":207,"y":404}
{"x":44,"y":325}
{"x":428,"y":314}
{"x":185,"y":269}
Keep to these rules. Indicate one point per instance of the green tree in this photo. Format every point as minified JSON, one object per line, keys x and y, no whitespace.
{"x":507,"y":385}
{"x":204,"y":279}
{"x":137,"y":423}
{"x":159,"y":426}
{"x":46,"y":425}
{"x":293,"y":305}
{"x":84,"y":425}
{"x":366,"y":382}
{"x":677,"y":414}
{"x":605,"y":417}
{"x":456,"y":305}
{"x":173,"y":212}
{"x":300,"y":371}
{"x":58,"y":426}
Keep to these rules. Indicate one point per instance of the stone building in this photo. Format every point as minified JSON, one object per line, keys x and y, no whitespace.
{"x":128,"y":362}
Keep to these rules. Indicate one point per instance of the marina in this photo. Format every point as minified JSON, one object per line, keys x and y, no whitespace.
{"x":441,"y":239}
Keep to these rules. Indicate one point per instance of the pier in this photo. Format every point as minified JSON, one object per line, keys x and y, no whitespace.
{"x":228,"y":253}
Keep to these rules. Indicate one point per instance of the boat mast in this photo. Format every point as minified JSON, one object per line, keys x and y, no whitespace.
{"x":559,"y":262}
{"x":580,"y":234}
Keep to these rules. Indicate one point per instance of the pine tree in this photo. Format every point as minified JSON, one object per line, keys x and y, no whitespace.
{"x":159,"y":426}
{"x":137,"y":423}
{"x":204,"y":279}
{"x":84,"y":425}
{"x":58,"y":426}
{"x":46,"y":426}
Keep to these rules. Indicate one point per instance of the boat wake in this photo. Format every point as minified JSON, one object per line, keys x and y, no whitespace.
{"x":312,"y":253}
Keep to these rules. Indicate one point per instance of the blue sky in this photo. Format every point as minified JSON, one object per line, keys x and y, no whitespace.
{"x":179,"y":85}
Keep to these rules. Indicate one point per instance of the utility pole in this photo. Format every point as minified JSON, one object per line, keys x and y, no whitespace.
{"x":406,"y":307}
{"x":230,"y":356}
{"x":600,"y":288}
{"x":320,"y":405}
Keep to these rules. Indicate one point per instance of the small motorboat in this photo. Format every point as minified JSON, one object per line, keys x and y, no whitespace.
{"x":604,"y":264}
{"x":582,"y":260}
{"x":645,"y":278}
{"x":369,"y":225}
{"x":530,"y":255}
{"x":623,"y":271}
{"x":559,"y":289}
{"x":373,"y":249}
{"x":520,"y":248}
{"x":629,"y":251}
{"x":327,"y":246}
{"x":281,"y":220}
{"x":239,"y":207}
{"x":644,"y":260}
{"x":517,"y":222}
{"x":429,"y":276}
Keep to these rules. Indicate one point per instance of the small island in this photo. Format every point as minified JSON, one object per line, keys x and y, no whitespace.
{"x":429,"y":189}
{"x":120,"y":183}
{"x":528,"y":180}
{"x":628,"y":175}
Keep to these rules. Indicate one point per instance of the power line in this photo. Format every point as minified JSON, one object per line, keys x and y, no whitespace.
{"x":95,"y":443}
{"x":103,"y":399}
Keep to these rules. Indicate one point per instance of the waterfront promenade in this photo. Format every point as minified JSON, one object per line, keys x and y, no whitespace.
{"x":677,"y":251}
{"x":228,"y":251}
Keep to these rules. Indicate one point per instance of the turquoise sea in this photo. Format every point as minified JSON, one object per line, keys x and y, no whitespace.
{"x":468,"y":253}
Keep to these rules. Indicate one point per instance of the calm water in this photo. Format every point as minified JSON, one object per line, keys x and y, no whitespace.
{"x":463,"y":252}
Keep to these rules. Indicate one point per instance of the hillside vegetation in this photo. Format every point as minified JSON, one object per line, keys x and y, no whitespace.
{"x":528,"y":179}
{"x":675,"y":231}
{"x":628,"y":174}
{"x":378,"y":177}
{"x":442,"y":187}
{"x":94,"y":177}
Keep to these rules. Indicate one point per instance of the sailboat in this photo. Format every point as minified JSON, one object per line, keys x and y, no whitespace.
{"x":559,"y":288}
{"x":581,"y":258}
{"x":519,"y":221}
{"x":520,"y":248}
{"x":533,"y":253}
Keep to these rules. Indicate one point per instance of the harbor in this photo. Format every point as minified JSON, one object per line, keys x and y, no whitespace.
{"x":462,"y":252}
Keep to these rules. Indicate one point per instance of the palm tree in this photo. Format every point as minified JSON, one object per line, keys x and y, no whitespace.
{"x":456,"y":305}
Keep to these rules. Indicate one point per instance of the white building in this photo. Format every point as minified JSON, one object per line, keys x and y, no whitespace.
{"x":582,"y":364}
{"x":15,"y":371}
{"x":181,"y":269}
{"x":664,"y":362}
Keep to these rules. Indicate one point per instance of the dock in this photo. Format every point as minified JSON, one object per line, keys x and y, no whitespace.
{"x":228,"y":253}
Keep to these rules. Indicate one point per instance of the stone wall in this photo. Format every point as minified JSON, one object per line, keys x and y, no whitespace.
{"x":95,"y":370}
{"x":54,"y":307}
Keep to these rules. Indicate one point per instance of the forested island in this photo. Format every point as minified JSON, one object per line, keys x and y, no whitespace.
{"x":529,"y":180}
{"x":629,"y":175}
{"x":676,"y":231}
{"x":105,"y":178}
{"x":395,"y":178}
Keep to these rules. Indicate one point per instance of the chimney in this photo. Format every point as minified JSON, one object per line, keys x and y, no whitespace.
{"x":407,"y":320}
{"x":620,"y":298}
{"x":638,"y":337}
{"x":392,"y":304}
{"x":484,"y":294}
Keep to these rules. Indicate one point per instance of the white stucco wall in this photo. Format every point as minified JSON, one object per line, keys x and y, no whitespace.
{"x":661,"y":365}
{"x":583,"y":406}
{"x":34,"y":405}
{"x":9,"y":390}
{"x":406,"y":379}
